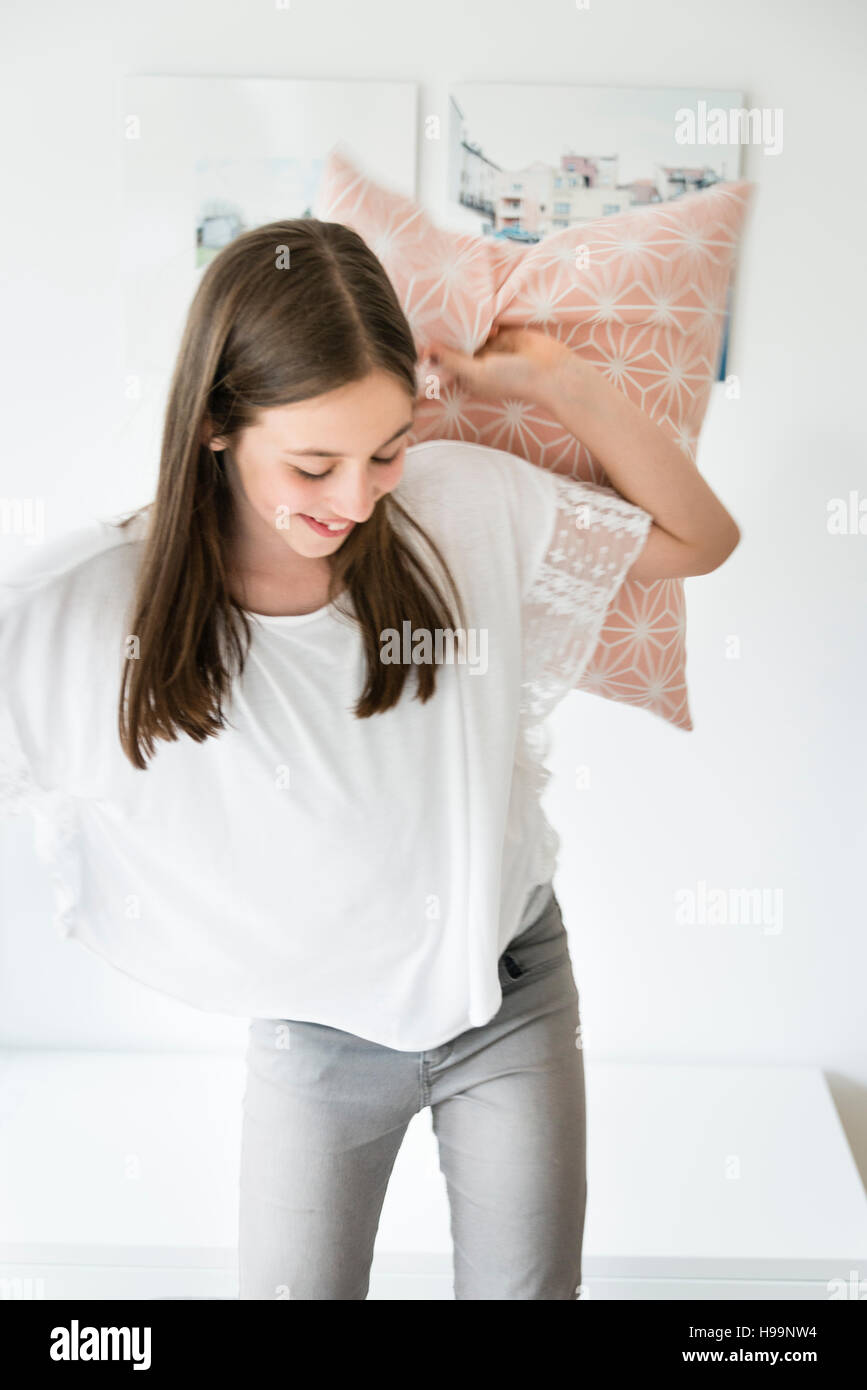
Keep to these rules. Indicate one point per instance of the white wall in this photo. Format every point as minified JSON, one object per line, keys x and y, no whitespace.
{"x":768,"y":790}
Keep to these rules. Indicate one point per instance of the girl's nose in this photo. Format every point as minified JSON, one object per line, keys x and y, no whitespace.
{"x":355,"y":499}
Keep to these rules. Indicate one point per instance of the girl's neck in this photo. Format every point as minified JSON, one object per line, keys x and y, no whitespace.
{"x":274,"y":579}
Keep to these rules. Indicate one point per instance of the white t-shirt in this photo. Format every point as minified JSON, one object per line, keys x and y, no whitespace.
{"x":305,"y":864}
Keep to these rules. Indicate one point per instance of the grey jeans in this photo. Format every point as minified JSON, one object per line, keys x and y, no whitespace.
{"x":325,"y":1112}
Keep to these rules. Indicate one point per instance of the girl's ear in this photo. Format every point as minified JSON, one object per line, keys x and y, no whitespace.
{"x":212,"y":441}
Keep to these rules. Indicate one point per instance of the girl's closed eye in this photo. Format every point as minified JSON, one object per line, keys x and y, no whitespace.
{"x":302,"y":474}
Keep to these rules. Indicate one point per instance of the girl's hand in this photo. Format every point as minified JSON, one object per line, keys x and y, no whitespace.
{"x":514,"y":362}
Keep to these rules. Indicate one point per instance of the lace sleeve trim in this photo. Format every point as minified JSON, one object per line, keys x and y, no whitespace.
{"x":596,"y":537}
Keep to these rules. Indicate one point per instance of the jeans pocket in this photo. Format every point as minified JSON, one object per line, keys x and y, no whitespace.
{"x":542,"y":947}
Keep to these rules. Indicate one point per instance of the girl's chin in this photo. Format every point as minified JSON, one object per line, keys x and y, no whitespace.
{"x":311,"y":546}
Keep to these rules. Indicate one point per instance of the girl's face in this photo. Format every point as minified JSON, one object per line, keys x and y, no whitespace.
{"x":313,"y":471}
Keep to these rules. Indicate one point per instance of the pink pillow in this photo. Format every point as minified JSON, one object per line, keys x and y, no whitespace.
{"x":645,"y":302}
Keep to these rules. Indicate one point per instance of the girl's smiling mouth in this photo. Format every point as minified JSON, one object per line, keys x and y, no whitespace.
{"x":336,"y":528}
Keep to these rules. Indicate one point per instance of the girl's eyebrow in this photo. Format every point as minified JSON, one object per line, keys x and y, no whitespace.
{"x":329,"y":454}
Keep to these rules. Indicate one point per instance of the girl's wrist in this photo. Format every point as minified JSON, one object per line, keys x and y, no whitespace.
{"x":568,"y":385}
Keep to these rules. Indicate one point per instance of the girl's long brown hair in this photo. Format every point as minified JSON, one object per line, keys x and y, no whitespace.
{"x":285,"y":312}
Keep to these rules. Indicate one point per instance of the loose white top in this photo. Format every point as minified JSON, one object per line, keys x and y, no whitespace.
{"x":305,"y":864}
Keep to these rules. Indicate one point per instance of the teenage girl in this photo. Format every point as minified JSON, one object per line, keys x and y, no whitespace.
{"x":282,"y":730}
